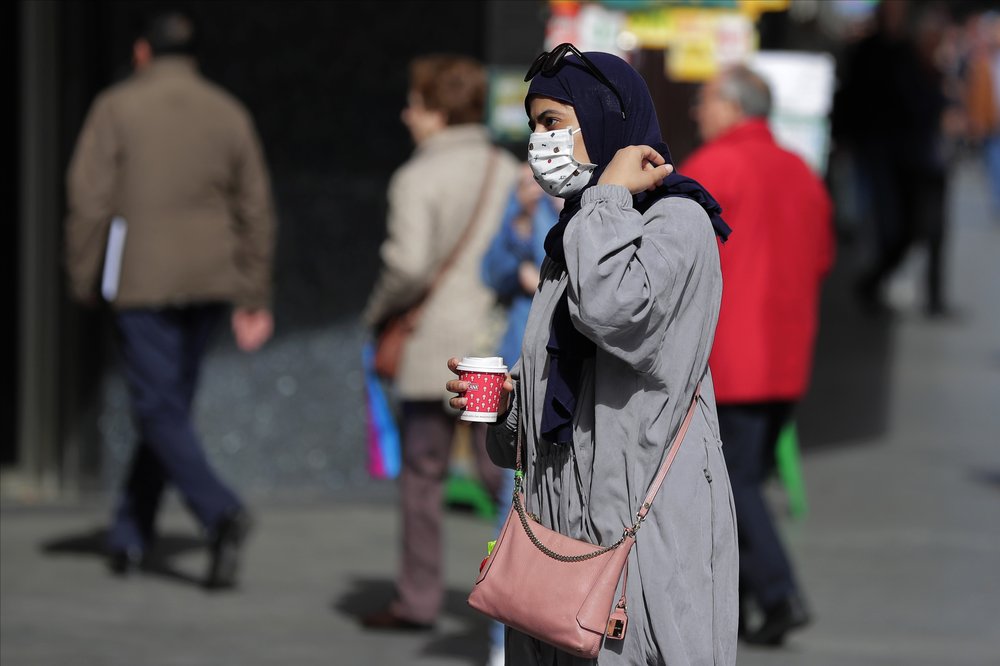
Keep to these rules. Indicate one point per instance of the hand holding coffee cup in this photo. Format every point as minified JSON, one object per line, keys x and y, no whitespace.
{"x":483,"y":387}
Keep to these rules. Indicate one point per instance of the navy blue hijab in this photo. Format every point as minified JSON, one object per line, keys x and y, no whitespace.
{"x":604,"y":133}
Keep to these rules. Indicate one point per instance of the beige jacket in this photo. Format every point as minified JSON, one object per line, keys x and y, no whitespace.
{"x":431,"y":199}
{"x":178,"y":158}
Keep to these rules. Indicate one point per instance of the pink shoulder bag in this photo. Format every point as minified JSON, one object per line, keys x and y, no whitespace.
{"x":558,"y":589}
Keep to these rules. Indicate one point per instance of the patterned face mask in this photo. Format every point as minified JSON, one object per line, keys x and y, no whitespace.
{"x":550,"y":155}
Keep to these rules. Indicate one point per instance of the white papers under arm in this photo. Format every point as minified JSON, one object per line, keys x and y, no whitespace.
{"x":113,"y":259}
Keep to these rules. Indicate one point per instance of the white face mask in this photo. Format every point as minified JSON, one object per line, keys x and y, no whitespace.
{"x":550,"y":155}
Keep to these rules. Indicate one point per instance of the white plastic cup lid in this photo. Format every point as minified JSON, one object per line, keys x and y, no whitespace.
{"x":482,"y":364}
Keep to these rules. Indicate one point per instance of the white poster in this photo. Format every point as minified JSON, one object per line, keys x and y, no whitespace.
{"x":113,"y":259}
{"x":802,"y":86}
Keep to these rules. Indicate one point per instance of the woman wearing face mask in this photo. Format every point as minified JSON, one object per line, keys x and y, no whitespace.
{"x":616,"y":346}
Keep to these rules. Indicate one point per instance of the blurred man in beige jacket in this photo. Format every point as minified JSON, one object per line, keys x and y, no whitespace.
{"x":178,"y":159}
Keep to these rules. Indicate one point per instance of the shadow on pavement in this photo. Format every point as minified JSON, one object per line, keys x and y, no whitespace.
{"x":986,"y":477}
{"x":848,"y":398}
{"x":469,"y":641}
{"x":157,"y":563}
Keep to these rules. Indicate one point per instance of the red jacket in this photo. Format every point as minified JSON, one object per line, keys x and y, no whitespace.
{"x":772,"y":266}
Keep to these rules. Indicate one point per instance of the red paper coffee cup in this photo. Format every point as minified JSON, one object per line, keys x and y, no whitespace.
{"x":485,"y":376}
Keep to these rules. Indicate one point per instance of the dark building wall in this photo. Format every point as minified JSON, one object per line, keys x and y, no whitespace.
{"x":325,"y":82}
{"x":11,"y":267}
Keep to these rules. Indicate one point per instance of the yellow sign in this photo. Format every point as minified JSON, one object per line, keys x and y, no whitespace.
{"x":653,"y":29}
{"x":698,"y":36}
{"x":706,"y":40}
{"x":692,"y":54}
{"x":754,"y":8}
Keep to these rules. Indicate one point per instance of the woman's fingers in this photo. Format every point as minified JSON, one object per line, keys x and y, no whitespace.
{"x":648,"y":155}
{"x":638,"y":168}
{"x":659,"y":174}
{"x":458,"y":386}
{"x":658,"y":168}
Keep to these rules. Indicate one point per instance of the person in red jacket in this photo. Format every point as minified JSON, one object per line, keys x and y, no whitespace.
{"x":772,"y":269}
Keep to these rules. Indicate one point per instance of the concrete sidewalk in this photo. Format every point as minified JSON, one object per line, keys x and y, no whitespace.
{"x":898,"y":555}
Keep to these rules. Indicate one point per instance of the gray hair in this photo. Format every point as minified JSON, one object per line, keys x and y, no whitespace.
{"x":747,"y":89}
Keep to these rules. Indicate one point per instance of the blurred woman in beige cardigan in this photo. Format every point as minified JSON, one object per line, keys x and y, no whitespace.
{"x":432,"y":200}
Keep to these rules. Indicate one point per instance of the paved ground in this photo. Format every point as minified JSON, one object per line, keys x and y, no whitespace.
{"x":898,"y":553}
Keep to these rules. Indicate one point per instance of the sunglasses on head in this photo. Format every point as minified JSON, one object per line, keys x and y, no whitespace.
{"x":550,"y":61}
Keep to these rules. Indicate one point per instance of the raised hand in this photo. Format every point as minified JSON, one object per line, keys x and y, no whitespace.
{"x":637,"y":168}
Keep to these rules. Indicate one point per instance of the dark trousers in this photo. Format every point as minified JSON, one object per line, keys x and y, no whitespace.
{"x":749,"y":435}
{"x":162,"y":352}
{"x":908,"y":205}
{"x":427,"y":434}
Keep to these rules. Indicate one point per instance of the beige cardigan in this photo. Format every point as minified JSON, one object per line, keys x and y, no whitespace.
{"x":179,"y":159}
{"x":431,"y":199}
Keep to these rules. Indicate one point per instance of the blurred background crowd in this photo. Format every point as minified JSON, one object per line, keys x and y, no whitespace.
{"x":885,"y":101}
{"x":325,"y":83}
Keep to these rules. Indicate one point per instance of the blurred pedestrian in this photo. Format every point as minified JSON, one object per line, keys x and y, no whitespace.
{"x":456,"y":183}
{"x":616,"y":346}
{"x":889,"y":112}
{"x":179,"y":161}
{"x":782,"y":246}
{"x":511,"y":269}
{"x":983,"y":97}
{"x":512,"y":261}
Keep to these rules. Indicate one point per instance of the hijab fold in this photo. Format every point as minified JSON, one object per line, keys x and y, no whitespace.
{"x":604,"y":133}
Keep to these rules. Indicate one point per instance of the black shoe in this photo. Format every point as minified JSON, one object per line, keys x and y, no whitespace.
{"x":779,"y":619}
{"x":869,"y":298}
{"x":225,"y":548}
{"x":123,"y":561}
{"x":943,"y":313}
{"x":386,"y":619}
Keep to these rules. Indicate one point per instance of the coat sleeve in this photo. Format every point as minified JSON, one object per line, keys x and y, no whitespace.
{"x":628,"y":272}
{"x":501,"y":437}
{"x":90,"y":185}
{"x":254,"y":210}
{"x":407,"y":252}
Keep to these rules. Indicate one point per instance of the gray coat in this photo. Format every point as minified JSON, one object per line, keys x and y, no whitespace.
{"x":646,"y":289}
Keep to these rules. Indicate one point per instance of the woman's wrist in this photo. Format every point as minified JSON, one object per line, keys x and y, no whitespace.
{"x":617,"y":194}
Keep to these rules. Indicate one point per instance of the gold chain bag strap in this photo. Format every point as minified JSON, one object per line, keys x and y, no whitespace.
{"x":555,"y":588}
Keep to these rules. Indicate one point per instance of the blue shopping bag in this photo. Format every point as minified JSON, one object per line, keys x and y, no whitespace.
{"x":384,"y":456}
